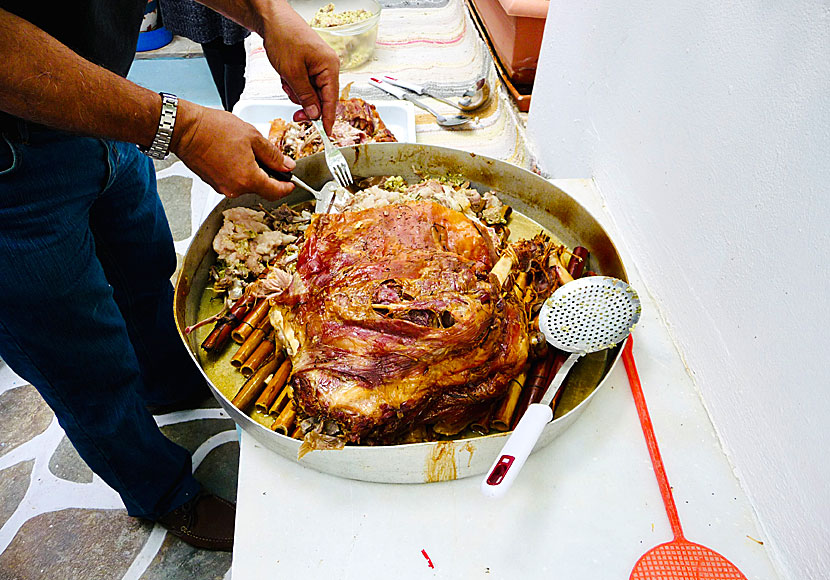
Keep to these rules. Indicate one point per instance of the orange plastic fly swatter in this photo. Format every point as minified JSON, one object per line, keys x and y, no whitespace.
{"x":679,"y":559}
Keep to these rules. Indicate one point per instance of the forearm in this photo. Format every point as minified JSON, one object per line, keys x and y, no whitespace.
{"x":256,"y":15}
{"x":43,"y":81}
{"x":308,"y":67}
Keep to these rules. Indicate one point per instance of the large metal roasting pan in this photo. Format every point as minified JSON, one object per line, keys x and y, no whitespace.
{"x":525,"y":191}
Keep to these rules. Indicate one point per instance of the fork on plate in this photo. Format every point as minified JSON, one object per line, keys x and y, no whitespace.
{"x":334,"y":158}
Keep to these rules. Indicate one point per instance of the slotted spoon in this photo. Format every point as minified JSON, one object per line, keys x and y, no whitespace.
{"x":583,"y":316}
{"x":678,"y":559}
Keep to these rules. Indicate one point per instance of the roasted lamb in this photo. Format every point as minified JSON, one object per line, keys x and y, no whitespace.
{"x":404,"y":315}
{"x":393,"y":320}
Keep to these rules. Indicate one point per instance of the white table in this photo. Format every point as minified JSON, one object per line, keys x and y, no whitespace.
{"x":585,"y":507}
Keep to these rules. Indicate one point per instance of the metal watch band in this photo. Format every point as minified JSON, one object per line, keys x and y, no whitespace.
{"x":161,"y":142}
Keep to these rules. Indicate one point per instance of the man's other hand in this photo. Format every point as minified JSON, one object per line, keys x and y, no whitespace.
{"x":308,"y":67}
{"x":226,"y":152}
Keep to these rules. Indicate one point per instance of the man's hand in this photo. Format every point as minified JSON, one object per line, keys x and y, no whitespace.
{"x":309,"y":68}
{"x":226,"y":152}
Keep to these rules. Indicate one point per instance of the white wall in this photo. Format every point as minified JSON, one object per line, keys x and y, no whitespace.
{"x":706,"y":126}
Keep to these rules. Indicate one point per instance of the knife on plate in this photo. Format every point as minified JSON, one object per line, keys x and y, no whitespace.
{"x":418,"y":89}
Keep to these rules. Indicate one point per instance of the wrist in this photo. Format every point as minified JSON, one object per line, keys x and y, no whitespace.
{"x":271,"y":15}
{"x":160,"y":146}
{"x":187,"y":120}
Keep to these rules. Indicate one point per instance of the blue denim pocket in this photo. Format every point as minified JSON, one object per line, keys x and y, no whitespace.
{"x":9,"y":156}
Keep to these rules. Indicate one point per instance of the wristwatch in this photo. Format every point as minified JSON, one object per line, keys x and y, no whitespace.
{"x":161,"y":142}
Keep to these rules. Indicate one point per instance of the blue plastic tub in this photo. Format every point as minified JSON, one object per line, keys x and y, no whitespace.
{"x":153,"y":39}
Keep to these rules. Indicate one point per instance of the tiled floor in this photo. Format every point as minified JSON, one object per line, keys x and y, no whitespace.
{"x":59,"y":520}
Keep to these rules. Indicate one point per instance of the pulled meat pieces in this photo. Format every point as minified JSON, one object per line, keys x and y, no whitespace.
{"x":390,"y":326}
{"x":355,"y":122}
{"x":248,"y":241}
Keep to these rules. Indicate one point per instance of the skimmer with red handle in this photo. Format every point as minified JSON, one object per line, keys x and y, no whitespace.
{"x":678,"y":559}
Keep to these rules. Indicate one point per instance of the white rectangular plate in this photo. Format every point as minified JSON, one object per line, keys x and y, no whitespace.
{"x":398,"y":116}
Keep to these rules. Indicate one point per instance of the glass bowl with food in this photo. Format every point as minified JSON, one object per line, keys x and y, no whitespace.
{"x":350,"y":27}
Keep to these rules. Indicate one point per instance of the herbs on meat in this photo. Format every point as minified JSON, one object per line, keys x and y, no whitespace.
{"x":254,"y":244}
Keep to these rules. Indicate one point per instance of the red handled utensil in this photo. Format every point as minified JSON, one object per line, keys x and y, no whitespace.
{"x":419,"y":90}
{"x":678,"y":559}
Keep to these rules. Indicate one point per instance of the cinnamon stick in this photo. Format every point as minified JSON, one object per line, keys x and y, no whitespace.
{"x":535,"y":384}
{"x":254,"y":386}
{"x":275,"y":386}
{"x":251,"y":343}
{"x":576,"y":265}
{"x":221,"y":332}
{"x":481,"y":425}
{"x":251,"y":321}
{"x":297,"y":433}
{"x":283,"y":399}
{"x":503,"y":415}
{"x":263,"y":351}
{"x":285,"y":421}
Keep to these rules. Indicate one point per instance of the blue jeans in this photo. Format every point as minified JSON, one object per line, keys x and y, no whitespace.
{"x":86,"y":312}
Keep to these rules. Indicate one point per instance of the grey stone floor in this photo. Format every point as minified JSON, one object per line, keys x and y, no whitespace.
{"x":57,"y":519}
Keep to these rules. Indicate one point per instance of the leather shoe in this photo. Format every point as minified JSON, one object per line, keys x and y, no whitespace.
{"x":206,"y":521}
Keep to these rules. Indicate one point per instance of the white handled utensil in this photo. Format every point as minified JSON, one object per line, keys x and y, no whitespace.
{"x":587,"y":315}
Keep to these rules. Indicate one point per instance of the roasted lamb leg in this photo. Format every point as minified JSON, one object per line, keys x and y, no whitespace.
{"x":393,"y":321}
